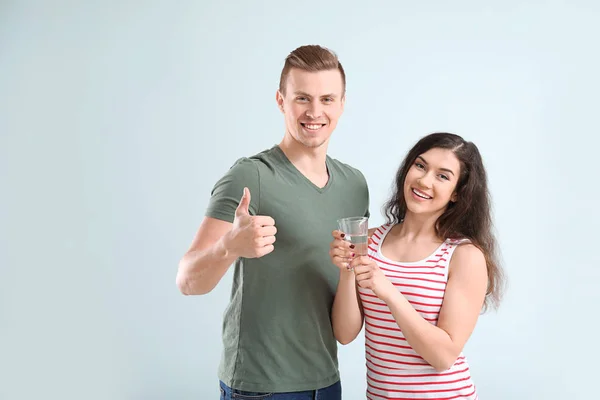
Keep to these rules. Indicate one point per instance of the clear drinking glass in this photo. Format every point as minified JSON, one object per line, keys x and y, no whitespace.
{"x":357,"y":233}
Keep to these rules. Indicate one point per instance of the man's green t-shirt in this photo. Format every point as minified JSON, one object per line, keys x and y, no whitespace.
{"x":277,"y":332}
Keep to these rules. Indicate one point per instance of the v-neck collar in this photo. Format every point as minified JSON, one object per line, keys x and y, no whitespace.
{"x":296,"y":171}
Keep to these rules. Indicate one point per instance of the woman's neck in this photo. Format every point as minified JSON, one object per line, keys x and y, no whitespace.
{"x":418,"y":227}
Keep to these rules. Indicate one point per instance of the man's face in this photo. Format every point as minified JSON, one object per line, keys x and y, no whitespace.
{"x":312,"y":104}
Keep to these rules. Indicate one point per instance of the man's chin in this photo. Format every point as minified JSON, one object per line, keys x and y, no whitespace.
{"x":314,"y":143}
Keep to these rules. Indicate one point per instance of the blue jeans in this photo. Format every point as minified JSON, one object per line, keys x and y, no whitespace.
{"x":333,"y":392}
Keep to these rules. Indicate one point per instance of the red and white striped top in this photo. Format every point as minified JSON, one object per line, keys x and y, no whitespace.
{"x":394,"y":369}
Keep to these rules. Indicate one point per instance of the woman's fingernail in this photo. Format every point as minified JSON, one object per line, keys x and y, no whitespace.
{"x":352,"y":254}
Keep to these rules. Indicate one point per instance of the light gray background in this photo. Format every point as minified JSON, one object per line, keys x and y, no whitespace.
{"x":116,"y":118}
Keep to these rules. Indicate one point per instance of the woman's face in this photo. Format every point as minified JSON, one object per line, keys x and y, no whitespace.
{"x":430,"y":184}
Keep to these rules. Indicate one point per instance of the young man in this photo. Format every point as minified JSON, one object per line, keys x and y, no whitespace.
{"x":277,"y":332}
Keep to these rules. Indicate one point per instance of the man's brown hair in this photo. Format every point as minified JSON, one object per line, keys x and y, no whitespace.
{"x":311,"y":58}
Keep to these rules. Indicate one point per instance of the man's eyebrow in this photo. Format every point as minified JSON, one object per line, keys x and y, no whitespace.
{"x":301,"y":93}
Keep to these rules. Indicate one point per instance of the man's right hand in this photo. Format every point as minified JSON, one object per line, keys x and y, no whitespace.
{"x":251,"y":236}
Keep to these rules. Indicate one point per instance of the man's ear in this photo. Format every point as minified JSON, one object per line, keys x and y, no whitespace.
{"x":279,"y":99}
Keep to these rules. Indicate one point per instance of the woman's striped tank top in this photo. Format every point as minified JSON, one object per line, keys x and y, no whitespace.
{"x":394,"y":369}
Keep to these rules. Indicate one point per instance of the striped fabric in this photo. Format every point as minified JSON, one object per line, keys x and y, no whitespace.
{"x":394,"y":369}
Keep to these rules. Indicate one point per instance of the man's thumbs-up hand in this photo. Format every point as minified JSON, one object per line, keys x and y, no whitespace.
{"x":251,"y":236}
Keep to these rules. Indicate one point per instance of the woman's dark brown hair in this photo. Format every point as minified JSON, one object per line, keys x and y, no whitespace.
{"x":470,"y":216}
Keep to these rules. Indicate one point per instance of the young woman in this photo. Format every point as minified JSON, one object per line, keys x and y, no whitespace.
{"x":430,"y":271}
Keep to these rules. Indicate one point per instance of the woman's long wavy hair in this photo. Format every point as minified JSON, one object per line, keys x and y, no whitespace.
{"x":470,"y":216}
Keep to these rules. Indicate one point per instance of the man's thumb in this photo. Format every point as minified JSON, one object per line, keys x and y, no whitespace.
{"x":242,"y":208}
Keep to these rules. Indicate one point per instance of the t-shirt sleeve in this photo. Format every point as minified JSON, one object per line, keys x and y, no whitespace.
{"x":366,"y":191}
{"x":228,"y":191}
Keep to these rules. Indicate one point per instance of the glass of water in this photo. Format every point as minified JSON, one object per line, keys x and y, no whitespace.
{"x":357,"y":233}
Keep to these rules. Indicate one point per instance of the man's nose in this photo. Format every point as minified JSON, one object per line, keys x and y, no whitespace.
{"x":315,"y":110}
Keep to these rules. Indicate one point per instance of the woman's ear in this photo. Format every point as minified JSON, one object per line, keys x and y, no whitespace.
{"x":454,"y":197}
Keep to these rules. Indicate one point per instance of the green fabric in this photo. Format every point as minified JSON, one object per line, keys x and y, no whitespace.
{"x":277,"y":332}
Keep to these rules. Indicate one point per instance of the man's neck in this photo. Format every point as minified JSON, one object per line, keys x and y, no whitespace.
{"x":309,"y":161}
